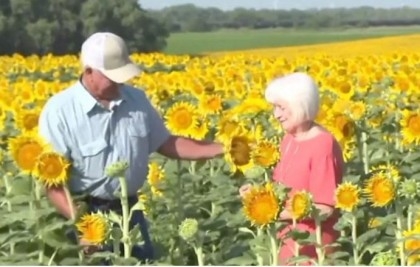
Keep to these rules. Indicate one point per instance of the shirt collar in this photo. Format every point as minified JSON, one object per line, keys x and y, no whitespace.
{"x":88,"y":102}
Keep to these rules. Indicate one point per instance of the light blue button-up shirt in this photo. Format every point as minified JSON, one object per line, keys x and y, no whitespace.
{"x":93,"y":137}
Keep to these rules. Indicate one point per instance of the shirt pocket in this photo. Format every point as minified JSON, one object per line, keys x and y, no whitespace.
{"x":138,"y":133}
{"x":94,"y":157}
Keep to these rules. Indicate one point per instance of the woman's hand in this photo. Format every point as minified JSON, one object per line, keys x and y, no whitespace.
{"x":244,"y":189}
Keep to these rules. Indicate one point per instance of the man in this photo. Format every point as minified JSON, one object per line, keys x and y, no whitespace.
{"x":99,"y":120}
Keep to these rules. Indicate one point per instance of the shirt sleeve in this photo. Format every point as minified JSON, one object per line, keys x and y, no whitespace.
{"x":158,"y":133}
{"x":51,"y":129}
{"x":326,"y":174}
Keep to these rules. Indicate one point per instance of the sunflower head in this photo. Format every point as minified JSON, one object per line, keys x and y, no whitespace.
{"x":387,"y":258}
{"x":380,"y":190}
{"x":51,"y":169}
{"x":412,"y":245}
{"x":25,"y":150}
{"x":409,"y":188}
{"x":265,"y":153}
{"x":238,"y":152}
{"x":347,"y":196}
{"x":182,"y":118}
{"x":117,"y":169}
{"x":93,"y":228}
{"x":188,"y":229}
{"x":301,"y":205}
{"x":261,"y":205}
{"x":155,"y":177}
{"x":410,"y":127}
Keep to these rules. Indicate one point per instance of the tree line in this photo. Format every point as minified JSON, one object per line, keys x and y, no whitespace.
{"x":60,"y":26}
{"x":190,"y":18}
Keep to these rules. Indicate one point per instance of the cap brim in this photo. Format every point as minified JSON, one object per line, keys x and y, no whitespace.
{"x":123,"y":74}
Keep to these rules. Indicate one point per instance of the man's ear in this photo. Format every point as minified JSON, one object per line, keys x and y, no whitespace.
{"x":87,"y":70}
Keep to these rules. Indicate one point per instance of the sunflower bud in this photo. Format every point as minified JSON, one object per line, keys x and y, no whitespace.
{"x":117,"y":169}
{"x":409,"y":188}
{"x":188,"y":229}
{"x":254,"y":172}
{"x":384,"y":259}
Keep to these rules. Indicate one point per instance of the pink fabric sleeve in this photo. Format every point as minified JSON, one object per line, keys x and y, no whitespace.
{"x":326,"y":173}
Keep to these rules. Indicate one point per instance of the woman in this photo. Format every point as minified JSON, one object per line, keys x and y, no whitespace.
{"x":311,"y":157}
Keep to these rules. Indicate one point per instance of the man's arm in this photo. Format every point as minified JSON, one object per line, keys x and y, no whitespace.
{"x":51,"y":129}
{"x":177,"y":147}
{"x":57,"y":197}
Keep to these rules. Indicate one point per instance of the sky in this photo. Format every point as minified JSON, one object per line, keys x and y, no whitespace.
{"x":280,"y":4}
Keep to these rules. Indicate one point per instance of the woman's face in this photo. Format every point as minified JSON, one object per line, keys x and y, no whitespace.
{"x":283,"y":113}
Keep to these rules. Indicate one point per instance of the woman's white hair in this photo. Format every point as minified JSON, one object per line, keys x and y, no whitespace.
{"x":300,"y":91}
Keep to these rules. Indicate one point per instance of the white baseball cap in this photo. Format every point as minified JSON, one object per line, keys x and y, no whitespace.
{"x":108,"y":53}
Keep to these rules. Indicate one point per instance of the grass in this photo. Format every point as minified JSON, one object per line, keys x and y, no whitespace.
{"x":231,"y":40}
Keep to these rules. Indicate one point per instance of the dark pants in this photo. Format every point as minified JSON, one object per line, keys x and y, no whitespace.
{"x":141,"y":252}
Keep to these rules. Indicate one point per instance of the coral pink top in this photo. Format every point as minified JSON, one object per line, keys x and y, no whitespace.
{"x":315,"y":165}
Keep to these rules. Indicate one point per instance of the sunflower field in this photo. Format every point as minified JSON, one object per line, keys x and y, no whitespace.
{"x":196,"y":216}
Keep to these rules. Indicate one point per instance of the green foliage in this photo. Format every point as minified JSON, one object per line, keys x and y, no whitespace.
{"x":59,"y":27}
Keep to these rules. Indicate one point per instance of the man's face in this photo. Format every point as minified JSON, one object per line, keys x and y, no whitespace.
{"x":101,"y":86}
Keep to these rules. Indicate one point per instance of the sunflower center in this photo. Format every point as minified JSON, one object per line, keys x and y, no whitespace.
{"x":183,"y":119}
{"x":52,"y":167}
{"x":30,"y":121}
{"x":264,"y":209}
{"x":240,"y":151}
{"x":382,"y":192}
{"x":414,"y":124}
{"x":27,"y":155}
{"x":347,"y":198}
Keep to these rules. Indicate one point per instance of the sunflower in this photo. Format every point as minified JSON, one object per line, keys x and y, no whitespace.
{"x":344,"y":126}
{"x":155,"y":177}
{"x":261,"y":205}
{"x":51,"y":169}
{"x":347,"y":196}
{"x":300,"y":204}
{"x":210,"y":104}
{"x":227,"y":126}
{"x":182,"y":118}
{"x":391,"y":171}
{"x":374,"y":222}
{"x":357,"y":110}
{"x":93,"y":228}
{"x":265,"y":153}
{"x":412,"y":245}
{"x":239,"y":150}
{"x":380,"y":190}
{"x":410,"y":125}
{"x":25,"y":150}
{"x":26,"y":119}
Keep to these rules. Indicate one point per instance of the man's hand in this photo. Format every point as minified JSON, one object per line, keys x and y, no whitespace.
{"x":88,"y":248}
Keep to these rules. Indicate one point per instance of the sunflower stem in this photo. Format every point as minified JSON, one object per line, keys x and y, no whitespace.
{"x":70,"y":203}
{"x":126,"y":219}
{"x":180,"y":207}
{"x":354,"y":238}
{"x":36,"y":206}
{"x":398,"y":234}
{"x":365,"y":153}
{"x":274,"y":245}
{"x":410,"y":217}
{"x":297,"y":247}
{"x":260,"y":259}
{"x":192,"y":167}
{"x":318,"y":235}
{"x":211,"y":168}
{"x":9,"y":208}
{"x":200,"y":255}
{"x":50,"y":262}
